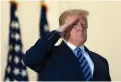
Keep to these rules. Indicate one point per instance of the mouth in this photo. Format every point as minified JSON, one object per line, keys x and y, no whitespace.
{"x":81,"y":34}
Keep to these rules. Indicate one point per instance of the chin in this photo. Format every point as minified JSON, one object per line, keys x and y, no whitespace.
{"x":82,"y":40}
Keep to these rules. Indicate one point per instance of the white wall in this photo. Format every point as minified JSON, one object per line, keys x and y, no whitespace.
{"x":104,"y":33}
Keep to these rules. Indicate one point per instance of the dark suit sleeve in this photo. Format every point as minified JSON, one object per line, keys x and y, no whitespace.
{"x":38,"y":54}
{"x":108,"y":76}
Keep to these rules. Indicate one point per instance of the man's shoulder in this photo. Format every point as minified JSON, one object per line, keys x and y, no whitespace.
{"x":98,"y":56}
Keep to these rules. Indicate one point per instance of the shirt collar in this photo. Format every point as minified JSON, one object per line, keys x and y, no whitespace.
{"x":73,"y":47}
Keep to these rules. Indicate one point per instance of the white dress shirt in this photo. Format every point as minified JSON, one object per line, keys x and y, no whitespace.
{"x":73,"y":47}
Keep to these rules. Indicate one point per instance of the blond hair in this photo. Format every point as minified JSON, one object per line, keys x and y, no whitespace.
{"x":80,"y":12}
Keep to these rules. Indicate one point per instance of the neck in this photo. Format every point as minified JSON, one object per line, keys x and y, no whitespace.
{"x":75,"y":43}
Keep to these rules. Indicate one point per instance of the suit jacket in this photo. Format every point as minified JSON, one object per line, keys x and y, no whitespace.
{"x":58,"y":63}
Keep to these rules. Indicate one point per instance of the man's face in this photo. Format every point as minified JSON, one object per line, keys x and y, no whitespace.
{"x":78,"y":32}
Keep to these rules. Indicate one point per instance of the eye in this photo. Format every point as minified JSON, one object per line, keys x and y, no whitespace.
{"x":75,"y":24}
{"x":84,"y":25}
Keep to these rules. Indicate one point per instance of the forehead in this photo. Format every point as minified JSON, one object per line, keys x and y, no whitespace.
{"x":74,"y":17}
{"x":81,"y":17}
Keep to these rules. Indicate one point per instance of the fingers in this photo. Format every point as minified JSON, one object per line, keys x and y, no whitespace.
{"x":71,"y":24}
{"x":67,"y":26}
{"x":75,"y":22}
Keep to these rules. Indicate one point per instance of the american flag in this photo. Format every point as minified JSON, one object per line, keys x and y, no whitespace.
{"x":15,"y":69}
{"x":44,"y":27}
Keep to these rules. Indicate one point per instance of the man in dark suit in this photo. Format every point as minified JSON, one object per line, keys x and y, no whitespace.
{"x":71,"y":60}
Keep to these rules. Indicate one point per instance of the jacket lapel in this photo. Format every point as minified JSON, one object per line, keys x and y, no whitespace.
{"x":93,"y":57}
{"x":71,"y":60}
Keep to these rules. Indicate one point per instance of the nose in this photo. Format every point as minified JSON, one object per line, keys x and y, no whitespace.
{"x":80,"y":26}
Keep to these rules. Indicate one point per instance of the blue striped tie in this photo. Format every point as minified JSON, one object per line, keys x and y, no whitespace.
{"x":84,"y":64}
